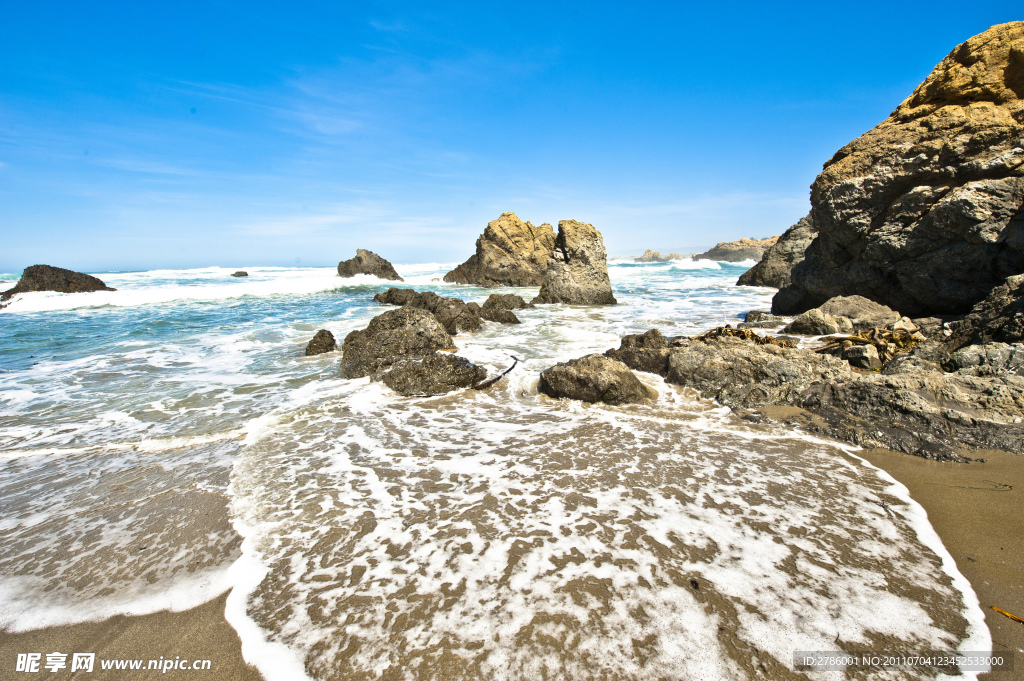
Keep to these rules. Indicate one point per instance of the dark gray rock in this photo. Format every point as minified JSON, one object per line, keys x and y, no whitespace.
{"x":577,"y":273}
{"x":47,"y":278}
{"x":863,"y":357}
{"x":594,"y":378}
{"x":434,"y":374}
{"x":643,"y":352}
{"x":778,"y":261}
{"x":999,"y":317}
{"x":498,"y":308}
{"x":367,"y":262}
{"x":925,"y":212}
{"x":396,"y":334}
{"x":322,"y":342}
{"x":757,"y":316}
{"x":989,"y":359}
{"x":240,"y":273}
{"x":453,"y":313}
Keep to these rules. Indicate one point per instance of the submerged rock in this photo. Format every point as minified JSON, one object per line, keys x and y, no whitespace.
{"x":394,"y":335}
{"x":923,"y":213}
{"x":47,"y":278}
{"x":510,"y":252}
{"x":453,"y":313}
{"x":577,"y":272}
{"x":367,"y":262}
{"x":594,"y":378}
{"x":240,"y":273}
{"x":777,"y":262}
{"x":322,"y":342}
{"x":434,"y":374}
{"x":738,"y":251}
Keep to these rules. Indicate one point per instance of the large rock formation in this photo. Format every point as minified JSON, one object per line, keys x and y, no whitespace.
{"x":738,"y":251}
{"x":577,"y":271}
{"x":594,"y":378}
{"x":396,"y":334}
{"x":656,"y":256}
{"x":510,"y":252}
{"x":924,"y":212}
{"x":777,"y":262}
{"x":367,"y":262}
{"x":47,"y":278}
{"x":453,"y":313}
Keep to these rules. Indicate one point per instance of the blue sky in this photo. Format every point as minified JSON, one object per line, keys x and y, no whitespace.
{"x":144,"y":135}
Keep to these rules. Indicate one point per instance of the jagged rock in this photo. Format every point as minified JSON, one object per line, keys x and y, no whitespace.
{"x":577,"y":272}
{"x":396,"y":334}
{"x":434,"y":374}
{"x":47,"y":278}
{"x":510,"y":252}
{"x":322,"y":342}
{"x":863,"y":357}
{"x":999,"y":317}
{"x":498,"y":308}
{"x":240,"y":273}
{"x":756,"y":316}
{"x":453,"y":313}
{"x":817,"y":323}
{"x":655,"y":256}
{"x":923,"y":213}
{"x":367,"y":262}
{"x":862,"y":313}
{"x":738,"y":251}
{"x":777,"y":262}
{"x":989,"y":359}
{"x":594,"y":378}
{"x":643,"y":352}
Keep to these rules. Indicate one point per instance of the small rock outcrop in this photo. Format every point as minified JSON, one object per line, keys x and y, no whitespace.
{"x":510,"y":252}
{"x":594,"y":378}
{"x":738,"y":251}
{"x":434,"y":374}
{"x":643,"y":352}
{"x":453,"y":313}
{"x":777,"y":262}
{"x":498,"y":308}
{"x":367,"y":262}
{"x":925,"y":211}
{"x":862,"y":313}
{"x":999,"y":317}
{"x":240,"y":273}
{"x":322,"y":342}
{"x":655,"y":256}
{"x":577,"y":272}
{"x":396,"y":334}
{"x":817,"y":323}
{"x":47,"y":278}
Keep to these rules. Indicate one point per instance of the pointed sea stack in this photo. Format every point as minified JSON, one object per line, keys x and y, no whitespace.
{"x":368,"y":262}
{"x":577,"y":272}
{"x":510,"y":252}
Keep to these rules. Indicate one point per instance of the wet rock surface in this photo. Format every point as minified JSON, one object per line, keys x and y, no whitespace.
{"x":923,"y":213}
{"x":510,"y":252}
{"x":47,"y":278}
{"x":396,"y":334}
{"x":498,"y":308}
{"x":577,"y":272}
{"x":322,"y":342}
{"x":434,"y":374}
{"x":240,"y":273}
{"x":367,"y":262}
{"x":738,"y":251}
{"x":777,"y":262}
{"x":594,"y":378}
{"x":453,"y":313}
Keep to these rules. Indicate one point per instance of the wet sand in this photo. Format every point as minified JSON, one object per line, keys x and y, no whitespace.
{"x":976,"y":510}
{"x":201,"y":633}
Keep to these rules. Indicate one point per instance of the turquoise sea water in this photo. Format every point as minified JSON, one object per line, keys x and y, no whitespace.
{"x":169,"y":440}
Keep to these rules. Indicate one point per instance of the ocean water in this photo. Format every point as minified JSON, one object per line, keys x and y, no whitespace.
{"x":168,"y":441}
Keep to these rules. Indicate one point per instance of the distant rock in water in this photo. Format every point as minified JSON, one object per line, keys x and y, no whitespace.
{"x":594,"y":378}
{"x":47,"y":278}
{"x":655,"y":256}
{"x":925,"y":212}
{"x":322,"y":342}
{"x":367,"y":262}
{"x":738,"y":251}
{"x":777,"y":262}
{"x":577,"y":272}
{"x":240,"y":273}
{"x":510,"y":252}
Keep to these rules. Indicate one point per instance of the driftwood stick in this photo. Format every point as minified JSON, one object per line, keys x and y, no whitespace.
{"x":491,"y":381}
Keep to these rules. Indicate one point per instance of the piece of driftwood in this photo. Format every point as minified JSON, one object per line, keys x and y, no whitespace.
{"x":491,"y":381}
{"x":1012,"y":617}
